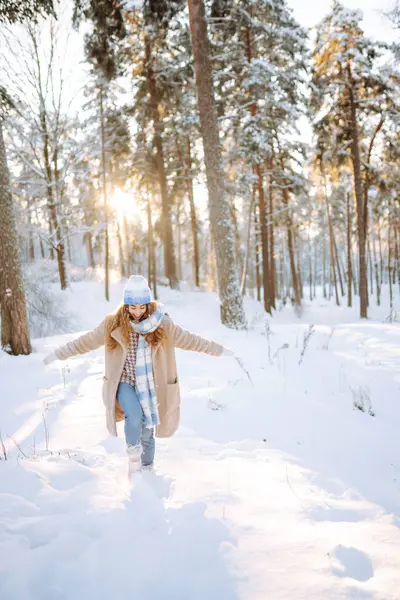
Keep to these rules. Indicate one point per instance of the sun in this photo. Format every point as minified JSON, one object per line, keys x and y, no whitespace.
{"x":124,"y":204}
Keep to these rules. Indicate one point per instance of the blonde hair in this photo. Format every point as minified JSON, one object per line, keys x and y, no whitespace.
{"x":121,"y":318}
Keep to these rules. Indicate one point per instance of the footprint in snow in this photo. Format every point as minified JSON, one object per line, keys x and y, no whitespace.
{"x":351,"y":562}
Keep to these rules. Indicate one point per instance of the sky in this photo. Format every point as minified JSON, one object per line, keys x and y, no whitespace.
{"x":376,"y":25}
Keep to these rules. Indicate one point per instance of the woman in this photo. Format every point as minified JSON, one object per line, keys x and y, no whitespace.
{"x":141,"y":381}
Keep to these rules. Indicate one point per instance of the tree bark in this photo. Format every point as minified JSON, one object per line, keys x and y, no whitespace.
{"x":193,"y":216}
{"x":324,"y":263}
{"x":349,"y":265}
{"x":31,"y":244}
{"x":261,"y":198}
{"x":360,"y":199}
{"x":271,"y":236}
{"x":179,"y":229}
{"x":55,"y":226}
{"x":14,"y":322}
{"x":247,"y":253}
{"x":310,"y":277}
{"x":331,"y":244}
{"x":396,"y":253}
{"x":169,"y":250}
{"x":290,"y":245}
{"x":338,"y":264}
{"x":122,"y":262}
{"x":390,"y":255}
{"x":151,"y":260}
{"x":257,"y":250}
{"x":232,"y":312}
{"x":105,"y":203}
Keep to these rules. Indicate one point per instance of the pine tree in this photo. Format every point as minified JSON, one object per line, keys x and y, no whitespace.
{"x":262,"y":60}
{"x":102,"y":47}
{"x":232,"y":313}
{"x":349,"y":86}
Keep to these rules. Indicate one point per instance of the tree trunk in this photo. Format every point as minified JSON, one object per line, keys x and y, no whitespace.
{"x":338,"y":263}
{"x":381,"y":265}
{"x":355,"y":275}
{"x":104,"y":185}
{"x":246,"y":259}
{"x":349,"y":265}
{"x":179,"y":229}
{"x":390,"y":255}
{"x":232,"y":312}
{"x":65,"y":234}
{"x":261,"y":197}
{"x":211,"y":276}
{"x":324,"y":263}
{"x":310,"y":277}
{"x":297,"y":253}
{"x":14,"y":322}
{"x":55,"y":227}
{"x":360,"y":200}
{"x":88,"y":239}
{"x":272,"y":266}
{"x":89,"y":247}
{"x":193,"y":216}
{"x":42,"y":254}
{"x":151,"y":261}
{"x":238,"y":251}
{"x":37,"y":221}
{"x":122,"y":262}
{"x":51,"y":245}
{"x":31,"y":244}
{"x":315,"y":269}
{"x":257,"y":252}
{"x":396,"y":253}
{"x":169,"y":250}
{"x":290,"y":245}
{"x":295,"y":281}
{"x":331,"y":244}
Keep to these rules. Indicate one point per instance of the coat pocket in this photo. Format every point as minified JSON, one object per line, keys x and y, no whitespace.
{"x":172,"y":397}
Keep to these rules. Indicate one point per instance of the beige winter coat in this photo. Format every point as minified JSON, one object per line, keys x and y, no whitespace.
{"x":164,"y":368}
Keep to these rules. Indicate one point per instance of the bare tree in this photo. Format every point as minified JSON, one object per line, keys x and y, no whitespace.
{"x":14,"y":324}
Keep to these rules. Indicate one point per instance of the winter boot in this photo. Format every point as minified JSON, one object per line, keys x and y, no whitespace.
{"x":134,"y":459}
{"x":150,"y":468}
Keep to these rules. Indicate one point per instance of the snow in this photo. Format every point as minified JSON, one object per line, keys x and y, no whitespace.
{"x":272,"y":488}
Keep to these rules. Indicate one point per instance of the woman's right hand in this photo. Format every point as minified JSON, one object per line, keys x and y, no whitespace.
{"x":50,"y":358}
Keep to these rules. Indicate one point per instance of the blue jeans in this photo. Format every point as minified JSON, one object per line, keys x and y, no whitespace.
{"x":135,"y":432}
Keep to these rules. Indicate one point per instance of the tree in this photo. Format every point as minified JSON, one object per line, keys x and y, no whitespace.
{"x":102,"y":46}
{"x":261,"y":59}
{"x":232,"y":313}
{"x":17,"y":11}
{"x":14,"y":323}
{"x":349,"y":89}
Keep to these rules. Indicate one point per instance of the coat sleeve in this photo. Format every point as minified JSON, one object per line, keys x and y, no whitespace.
{"x":185,"y":340}
{"x":85,"y":343}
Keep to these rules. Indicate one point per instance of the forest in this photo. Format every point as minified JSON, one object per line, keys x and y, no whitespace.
{"x":217,"y":143}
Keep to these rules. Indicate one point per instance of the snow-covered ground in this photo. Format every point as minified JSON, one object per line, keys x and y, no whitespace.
{"x":276,"y":488}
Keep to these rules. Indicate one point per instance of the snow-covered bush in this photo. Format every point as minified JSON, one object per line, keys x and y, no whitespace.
{"x":47,"y":310}
{"x":362,"y":399}
{"x":47,"y":271}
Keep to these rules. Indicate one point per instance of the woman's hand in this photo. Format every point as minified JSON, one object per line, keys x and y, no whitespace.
{"x":227,"y":352}
{"x":50,"y":358}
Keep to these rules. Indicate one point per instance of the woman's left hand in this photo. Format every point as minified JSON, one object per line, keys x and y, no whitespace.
{"x":227,"y":352}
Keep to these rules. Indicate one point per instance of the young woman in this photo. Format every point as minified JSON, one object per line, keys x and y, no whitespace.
{"x":141,"y":383}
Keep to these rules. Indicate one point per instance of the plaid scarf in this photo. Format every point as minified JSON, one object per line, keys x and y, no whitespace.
{"x":144,"y":368}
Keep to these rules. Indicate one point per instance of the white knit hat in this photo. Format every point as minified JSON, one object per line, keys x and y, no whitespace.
{"x":137,"y":291}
